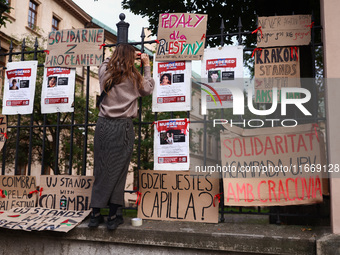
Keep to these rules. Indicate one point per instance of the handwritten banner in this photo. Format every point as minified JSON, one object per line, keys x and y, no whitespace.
{"x":66,"y":192}
{"x":15,"y":191}
{"x":276,"y":67}
{"x":75,"y":47}
{"x":178,"y":196}
{"x":284,"y":31}
{"x":273,"y":169}
{"x":40,"y":219}
{"x":181,"y":36}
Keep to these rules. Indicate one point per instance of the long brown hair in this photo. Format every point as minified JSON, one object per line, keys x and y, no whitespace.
{"x":121,"y":67}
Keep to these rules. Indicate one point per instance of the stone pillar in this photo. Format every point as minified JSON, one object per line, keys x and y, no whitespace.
{"x":330,"y":20}
{"x":122,"y":29}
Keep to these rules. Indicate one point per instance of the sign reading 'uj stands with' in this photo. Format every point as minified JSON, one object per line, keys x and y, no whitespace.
{"x":75,"y":47}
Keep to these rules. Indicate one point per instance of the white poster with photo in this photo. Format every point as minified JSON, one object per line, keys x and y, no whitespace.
{"x":19,"y":87}
{"x":171,"y":144}
{"x":221,"y":67}
{"x":172,"y":86}
{"x":57,"y":94}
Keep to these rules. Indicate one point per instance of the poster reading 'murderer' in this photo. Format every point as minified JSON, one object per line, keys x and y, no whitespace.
{"x":19,"y":87}
{"x":171,"y":144}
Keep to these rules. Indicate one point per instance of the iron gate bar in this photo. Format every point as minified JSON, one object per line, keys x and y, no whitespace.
{"x":140,"y":102}
{"x":43,"y":146}
{"x":86,"y":119}
{"x":35,"y":57}
{"x":4,"y":154}
{"x":71,"y":144}
{"x":56,"y":159}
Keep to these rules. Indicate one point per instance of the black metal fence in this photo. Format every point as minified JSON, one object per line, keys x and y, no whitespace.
{"x":30,"y":136}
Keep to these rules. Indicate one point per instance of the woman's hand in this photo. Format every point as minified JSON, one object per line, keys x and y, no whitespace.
{"x":145,"y":59}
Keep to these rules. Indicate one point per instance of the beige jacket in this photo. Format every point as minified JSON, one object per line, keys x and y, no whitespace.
{"x":121,"y":101}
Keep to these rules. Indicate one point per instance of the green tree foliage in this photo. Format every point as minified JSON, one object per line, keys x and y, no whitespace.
{"x":229,"y":11}
{"x":4,"y":8}
{"x":51,"y":120}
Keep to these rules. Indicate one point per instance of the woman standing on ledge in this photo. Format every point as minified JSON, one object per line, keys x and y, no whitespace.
{"x":114,"y":135}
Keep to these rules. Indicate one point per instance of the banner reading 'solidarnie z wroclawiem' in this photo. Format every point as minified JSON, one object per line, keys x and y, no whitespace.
{"x":75,"y":47}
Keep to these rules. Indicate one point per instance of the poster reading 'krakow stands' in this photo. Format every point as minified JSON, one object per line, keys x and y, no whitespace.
{"x":171,"y":144}
{"x":57,"y":94}
{"x":181,"y":36}
{"x":75,"y":47}
{"x":221,"y":67}
{"x":19,"y":87}
{"x":276,"y":68}
{"x":173,"y":86}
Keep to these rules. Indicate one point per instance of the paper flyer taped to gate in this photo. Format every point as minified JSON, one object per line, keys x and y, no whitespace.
{"x":221,"y":66}
{"x":57,"y":94}
{"x":19,"y":87}
{"x":173,"y":86}
{"x":171,"y":144}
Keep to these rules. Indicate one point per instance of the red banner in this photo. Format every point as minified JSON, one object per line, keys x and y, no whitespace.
{"x":167,"y":160}
{"x":221,"y":63}
{"x":18,"y":73}
{"x":223,"y":98}
{"x":57,"y":70}
{"x":171,"y":66}
{"x":175,"y":99}
{"x":172,"y":124}
{"x":17,"y":102}
{"x":61,"y":100}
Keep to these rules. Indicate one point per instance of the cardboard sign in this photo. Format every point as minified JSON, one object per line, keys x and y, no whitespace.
{"x":3,"y":130}
{"x":15,"y":191}
{"x":75,"y":47}
{"x":276,"y":67}
{"x":284,"y":30}
{"x":273,"y":169}
{"x":66,"y":192}
{"x":181,"y":36}
{"x":40,"y":219}
{"x":172,"y":86}
{"x":178,"y":196}
{"x":19,"y":87}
